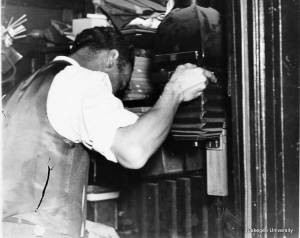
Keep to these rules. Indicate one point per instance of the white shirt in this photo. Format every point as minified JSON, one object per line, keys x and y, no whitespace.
{"x":82,"y":108}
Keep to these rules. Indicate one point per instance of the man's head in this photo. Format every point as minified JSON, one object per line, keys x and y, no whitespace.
{"x":103,"y":49}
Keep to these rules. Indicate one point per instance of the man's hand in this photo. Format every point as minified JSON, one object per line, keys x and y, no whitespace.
{"x":188,"y":81}
{"x":98,"y":230}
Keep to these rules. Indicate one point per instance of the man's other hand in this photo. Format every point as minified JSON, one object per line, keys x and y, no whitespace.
{"x":98,"y":230}
{"x":188,"y":81}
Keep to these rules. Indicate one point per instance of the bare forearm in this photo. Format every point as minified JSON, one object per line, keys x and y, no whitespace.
{"x":151,"y":129}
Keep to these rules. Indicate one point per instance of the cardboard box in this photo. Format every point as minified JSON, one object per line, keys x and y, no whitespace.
{"x":84,"y":23}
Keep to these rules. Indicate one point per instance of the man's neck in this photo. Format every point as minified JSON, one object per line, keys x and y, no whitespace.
{"x":95,"y":62}
{"x":91,"y":61}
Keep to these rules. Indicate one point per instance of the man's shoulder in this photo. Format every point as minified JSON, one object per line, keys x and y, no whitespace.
{"x":79,"y":72}
{"x":82,"y":79}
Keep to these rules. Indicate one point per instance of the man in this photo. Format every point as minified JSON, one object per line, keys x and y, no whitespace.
{"x":65,"y":105}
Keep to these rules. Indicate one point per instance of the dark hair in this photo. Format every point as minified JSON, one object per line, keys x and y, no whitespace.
{"x":104,"y":38}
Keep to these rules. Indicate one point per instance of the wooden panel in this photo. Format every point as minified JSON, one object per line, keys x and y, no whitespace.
{"x":129,"y":212}
{"x":168,"y":209}
{"x":172,"y":206}
{"x":184,"y":215}
{"x":233,"y":217}
{"x":273,"y":93}
{"x":105,"y":212}
{"x":167,"y":160}
{"x":150,"y":211}
{"x":288,"y":37}
{"x":199,"y":207}
{"x":216,"y":168}
{"x":270,"y":99}
{"x":194,"y":158}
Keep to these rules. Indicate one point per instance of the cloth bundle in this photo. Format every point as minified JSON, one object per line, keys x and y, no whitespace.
{"x":202,"y":118}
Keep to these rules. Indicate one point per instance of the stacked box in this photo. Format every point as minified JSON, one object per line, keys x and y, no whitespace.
{"x":140,"y":87}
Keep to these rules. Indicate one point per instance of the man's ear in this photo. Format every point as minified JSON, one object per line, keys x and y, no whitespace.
{"x":112,"y":58}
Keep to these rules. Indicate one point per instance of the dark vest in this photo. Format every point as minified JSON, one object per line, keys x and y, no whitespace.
{"x":43,"y":173}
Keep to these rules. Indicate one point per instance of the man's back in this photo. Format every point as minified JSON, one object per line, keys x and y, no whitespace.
{"x":44,"y":173}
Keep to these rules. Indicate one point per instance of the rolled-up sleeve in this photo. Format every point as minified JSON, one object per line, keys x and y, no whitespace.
{"x":102,"y":115}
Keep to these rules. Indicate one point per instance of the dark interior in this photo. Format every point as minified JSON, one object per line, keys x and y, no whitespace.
{"x":169,"y":196}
